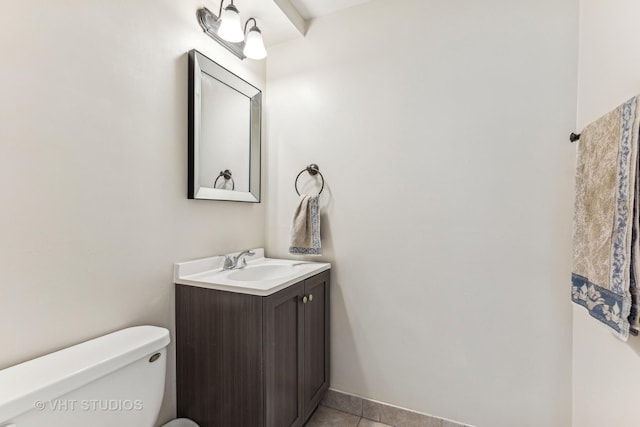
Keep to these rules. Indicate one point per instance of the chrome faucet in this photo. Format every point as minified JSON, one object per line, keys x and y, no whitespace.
{"x":238,"y":261}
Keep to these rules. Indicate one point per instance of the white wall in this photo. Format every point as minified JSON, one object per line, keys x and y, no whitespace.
{"x":606,"y":371}
{"x":441,"y":128}
{"x":93,"y":170}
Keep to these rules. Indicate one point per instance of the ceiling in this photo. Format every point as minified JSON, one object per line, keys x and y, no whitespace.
{"x":283,"y":20}
{"x":310,"y":9}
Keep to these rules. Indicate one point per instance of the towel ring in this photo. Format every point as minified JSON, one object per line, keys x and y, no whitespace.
{"x":226,"y":174}
{"x":312,"y":170}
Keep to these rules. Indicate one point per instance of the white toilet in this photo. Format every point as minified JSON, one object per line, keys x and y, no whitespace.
{"x":114,"y":380}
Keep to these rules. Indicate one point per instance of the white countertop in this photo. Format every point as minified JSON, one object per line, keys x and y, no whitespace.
{"x":208,"y":273}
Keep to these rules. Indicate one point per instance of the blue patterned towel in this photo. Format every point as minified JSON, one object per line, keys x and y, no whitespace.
{"x":305,"y":229}
{"x":606,"y":219}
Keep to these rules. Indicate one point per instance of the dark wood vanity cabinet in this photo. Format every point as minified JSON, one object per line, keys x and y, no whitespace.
{"x":252,"y":361}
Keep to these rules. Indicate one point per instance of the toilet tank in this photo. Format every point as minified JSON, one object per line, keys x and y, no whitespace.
{"x":113,"y":380}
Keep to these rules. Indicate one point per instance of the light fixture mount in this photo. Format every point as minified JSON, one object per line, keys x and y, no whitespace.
{"x":210,"y":24}
{"x":254,"y":27}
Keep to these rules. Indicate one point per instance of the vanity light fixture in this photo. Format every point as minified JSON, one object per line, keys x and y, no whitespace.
{"x":227,"y":30}
{"x":230,"y":24}
{"x":254,"y":45}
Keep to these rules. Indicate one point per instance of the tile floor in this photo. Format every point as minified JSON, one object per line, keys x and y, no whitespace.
{"x":343,"y":409}
{"x":327,"y":417}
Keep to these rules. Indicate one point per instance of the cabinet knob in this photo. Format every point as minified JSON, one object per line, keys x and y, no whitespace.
{"x":304,"y":299}
{"x":310,"y":297}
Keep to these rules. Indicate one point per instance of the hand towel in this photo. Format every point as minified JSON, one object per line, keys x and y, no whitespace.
{"x":305,"y":228}
{"x":606,"y":219}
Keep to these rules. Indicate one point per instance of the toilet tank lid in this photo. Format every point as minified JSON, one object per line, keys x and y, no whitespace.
{"x":55,"y":374}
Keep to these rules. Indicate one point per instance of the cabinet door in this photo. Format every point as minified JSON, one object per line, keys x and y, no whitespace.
{"x":283,"y":349}
{"x":316,"y":341}
{"x":219,"y":357}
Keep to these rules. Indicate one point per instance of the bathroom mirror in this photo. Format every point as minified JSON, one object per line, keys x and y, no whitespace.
{"x":224,"y":133}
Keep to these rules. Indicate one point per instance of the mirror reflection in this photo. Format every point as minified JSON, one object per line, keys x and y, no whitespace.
{"x":224,"y":133}
{"x":224,"y":143}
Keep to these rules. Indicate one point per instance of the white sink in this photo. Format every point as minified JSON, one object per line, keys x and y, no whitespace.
{"x":262,"y":276}
{"x":263,"y":272}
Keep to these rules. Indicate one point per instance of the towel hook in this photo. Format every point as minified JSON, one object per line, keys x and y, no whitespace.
{"x":226,"y":174}
{"x":312,"y":170}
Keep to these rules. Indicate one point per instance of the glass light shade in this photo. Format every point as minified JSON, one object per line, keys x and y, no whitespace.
{"x":254,"y":46}
{"x":230,"y":25}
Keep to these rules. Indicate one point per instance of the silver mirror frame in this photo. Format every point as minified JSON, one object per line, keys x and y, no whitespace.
{"x":198,"y":63}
